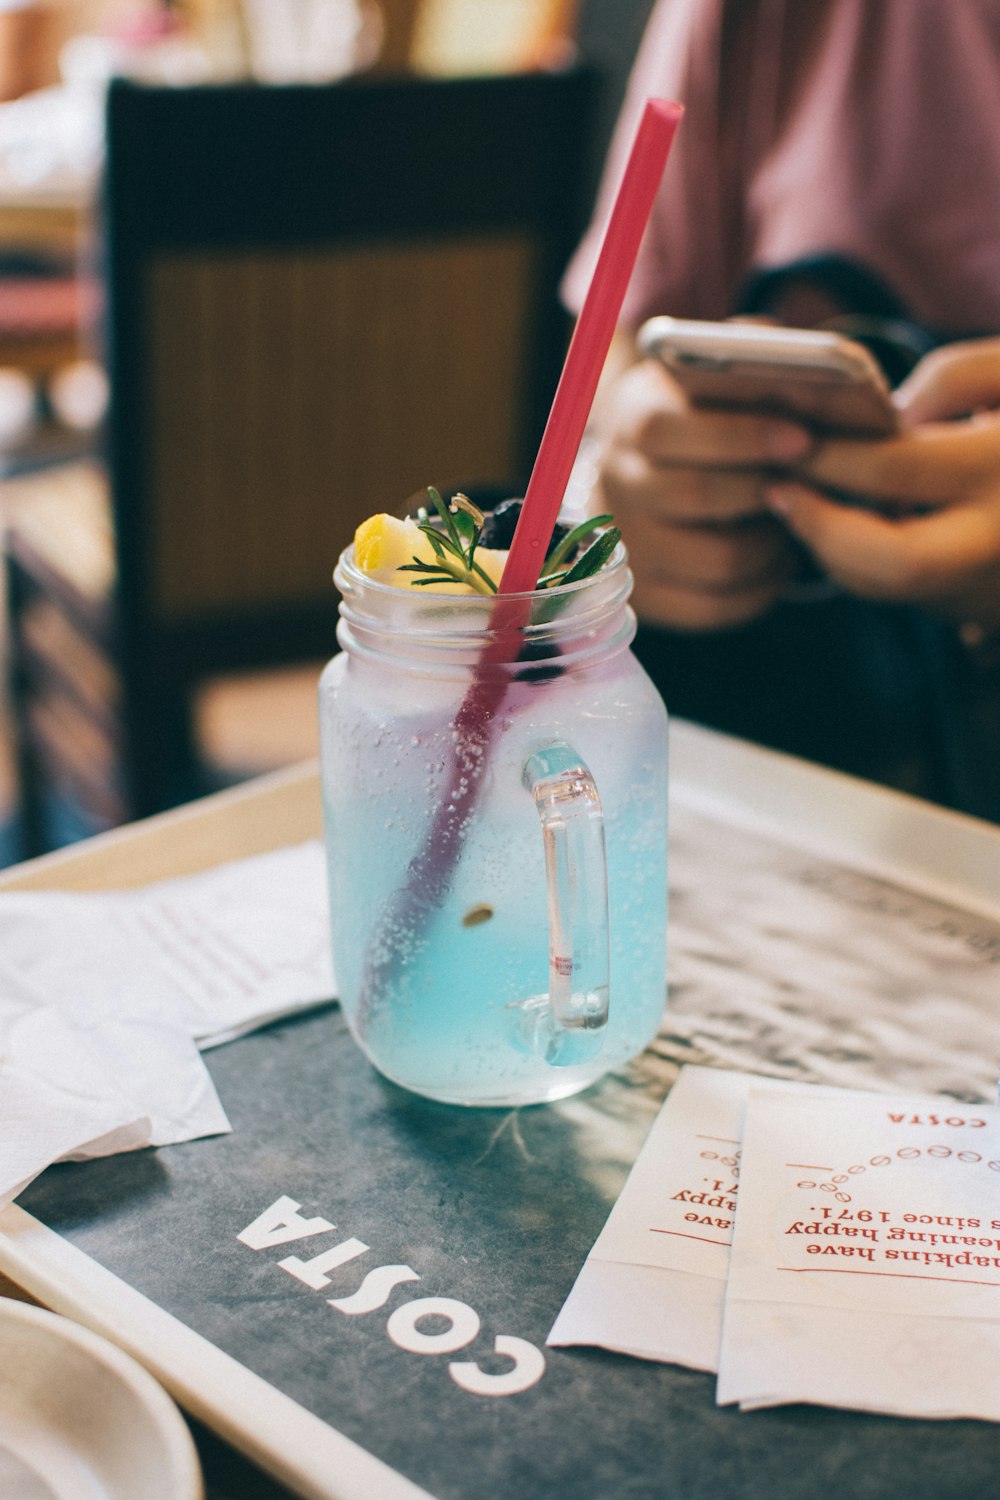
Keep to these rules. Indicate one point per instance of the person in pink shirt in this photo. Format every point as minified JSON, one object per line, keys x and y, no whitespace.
{"x":838,"y":160}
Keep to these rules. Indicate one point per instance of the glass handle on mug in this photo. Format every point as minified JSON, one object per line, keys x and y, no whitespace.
{"x":571,"y":1028}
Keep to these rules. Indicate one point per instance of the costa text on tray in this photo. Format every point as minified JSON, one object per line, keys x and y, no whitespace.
{"x":282,"y":1223}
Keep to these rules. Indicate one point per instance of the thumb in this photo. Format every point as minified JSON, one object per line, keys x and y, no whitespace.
{"x":951,"y":382}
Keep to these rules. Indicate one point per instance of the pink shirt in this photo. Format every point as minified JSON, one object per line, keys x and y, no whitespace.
{"x":868,"y":129}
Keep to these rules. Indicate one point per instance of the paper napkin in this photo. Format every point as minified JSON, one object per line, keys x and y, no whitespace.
{"x":216,"y":953}
{"x":865,"y":1268}
{"x":106,"y":998}
{"x":653,"y":1285}
{"x":661,"y":1275}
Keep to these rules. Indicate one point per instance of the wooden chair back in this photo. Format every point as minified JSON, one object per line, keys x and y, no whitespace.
{"x":320,"y":300}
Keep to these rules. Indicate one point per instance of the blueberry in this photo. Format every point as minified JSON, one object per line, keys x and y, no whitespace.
{"x":498,"y":528}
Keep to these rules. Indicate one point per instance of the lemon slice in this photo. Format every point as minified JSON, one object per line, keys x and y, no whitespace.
{"x":383,"y":543}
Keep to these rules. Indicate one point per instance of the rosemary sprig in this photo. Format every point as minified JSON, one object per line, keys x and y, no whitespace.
{"x":457,"y":531}
{"x":588,"y":562}
{"x":454,"y":547}
{"x":569,"y":544}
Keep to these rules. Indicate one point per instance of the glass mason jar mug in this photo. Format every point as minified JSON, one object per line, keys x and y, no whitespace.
{"x":495,"y":805}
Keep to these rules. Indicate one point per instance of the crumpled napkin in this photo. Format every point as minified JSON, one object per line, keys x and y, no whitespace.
{"x":107,"y":997}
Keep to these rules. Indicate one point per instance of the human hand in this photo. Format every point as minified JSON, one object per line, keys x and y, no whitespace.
{"x":686,"y":487}
{"x":933,"y":536}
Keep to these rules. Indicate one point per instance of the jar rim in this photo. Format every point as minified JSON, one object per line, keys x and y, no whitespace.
{"x":580,"y":618}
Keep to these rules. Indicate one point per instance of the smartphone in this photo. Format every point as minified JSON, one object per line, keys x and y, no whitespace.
{"x":825,"y":380}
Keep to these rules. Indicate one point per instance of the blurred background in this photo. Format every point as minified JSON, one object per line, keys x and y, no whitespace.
{"x":266,"y":266}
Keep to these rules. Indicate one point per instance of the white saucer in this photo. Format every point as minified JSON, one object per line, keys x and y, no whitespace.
{"x":80,"y":1420}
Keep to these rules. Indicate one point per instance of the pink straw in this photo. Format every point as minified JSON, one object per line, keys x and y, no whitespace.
{"x":589,"y":346}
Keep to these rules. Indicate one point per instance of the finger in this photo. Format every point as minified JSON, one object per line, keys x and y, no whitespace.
{"x":628,"y":482}
{"x":926,"y":559}
{"x":675,"y":607}
{"x":715,"y":559}
{"x":695,"y":582}
{"x":690,"y":578}
{"x":951,"y":381}
{"x":654,"y":414}
{"x":930,"y":466}
{"x":706,"y":576}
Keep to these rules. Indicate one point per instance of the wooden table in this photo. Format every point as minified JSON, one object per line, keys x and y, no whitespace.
{"x":283,"y":808}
